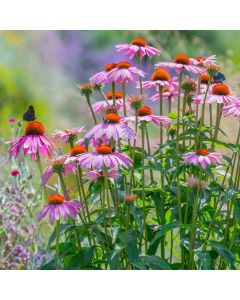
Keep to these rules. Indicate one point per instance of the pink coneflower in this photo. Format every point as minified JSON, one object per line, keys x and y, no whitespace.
{"x":111,"y":128}
{"x":219,"y":93}
{"x":74,"y":153}
{"x":160,"y":77}
{"x":145,"y":115}
{"x":103,"y":77}
{"x":181,"y":62}
{"x":34,"y":141}
{"x":104,"y":157}
{"x":15,"y":172}
{"x":205,"y":62}
{"x":137,"y":45}
{"x":58,"y":207}
{"x":124,"y":72}
{"x":58,"y":165}
{"x":168,"y":93}
{"x":66,"y":135}
{"x":100,"y":106}
{"x":232,"y":110}
{"x":202,"y":157}
{"x":95,"y":175}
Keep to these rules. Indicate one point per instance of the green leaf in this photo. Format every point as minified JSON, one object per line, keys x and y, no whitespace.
{"x":237,"y":209}
{"x":164,"y":229}
{"x":205,"y":259}
{"x":155,"y":262}
{"x":138,"y":264}
{"x":225,"y":253}
{"x":129,"y":239}
{"x":63,"y":228}
{"x":117,"y":250}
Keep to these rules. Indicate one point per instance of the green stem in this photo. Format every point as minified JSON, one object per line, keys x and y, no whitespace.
{"x":193,"y":226}
{"x":41,"y":170}
{"x":140,"y":78}
{"x":91,"y":109}
{"x":149,"y":153}
{"x":107,"y":194}
{"x":57,"y":244}
{"x":203,"y":111}
{"x":133,"y":152}
{"x":114,"y":94}
{"x":83,"y":193}
{"x":218,"y":120}
{"x":124,"y":97}
{"x":143,"y":189}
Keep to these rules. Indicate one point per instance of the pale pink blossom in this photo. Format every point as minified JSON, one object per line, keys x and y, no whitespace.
{"x":202,"y":157}
{"x":138,"y":45}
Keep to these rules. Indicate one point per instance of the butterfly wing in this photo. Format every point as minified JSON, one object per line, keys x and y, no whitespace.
{"x":219,"y":78}
{"x":29,"y":115}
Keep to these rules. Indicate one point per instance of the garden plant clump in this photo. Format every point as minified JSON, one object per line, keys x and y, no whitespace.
{"x":105,"y":197}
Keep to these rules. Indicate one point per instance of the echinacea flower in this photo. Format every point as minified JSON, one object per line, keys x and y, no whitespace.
{"x":104,"y":156}
{"x":160,"y":77}
{"x":181,"y":62}
{"x":74,"y":153}
{"x":100,"y":106}
{"x":219,"y":93}
{"x":232,"y":110}
{"x":86,"y":89}
{"x":111,"y":128}
{"x":58,"y":165}
{"x":32,"y":142}
{"x":205,"y":62}
{"x":145,"y":115}
{"x":124,"y":72}
{"x":103,"y":77}
{"x":15,"y":172}
{"x":58,"y":207}
{"x":95,"y":175}
{"x":168,"y":93}
{"x":202,"y":157}
{"x":66,"y":135}
{"x":137,"y":45}
{"x":197,"y":183}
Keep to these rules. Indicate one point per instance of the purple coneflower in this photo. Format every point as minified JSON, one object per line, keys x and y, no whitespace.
{"x":59,"y":165}
{"x":95,"y":175}
{"x":219,"y":93}
{"x":58,"y":207}
{"x":145,"y":115}
{"x":104,"y":156}
{"x":100,"y":106}
{"x":181,"y":62}
{"x":202,"y":157}
{"x":124,"y":72}
{"x":103,"y":77}
{"x":232,"y":110}
{"x":137,"y":45}
{"x":34,"y":141}
{"x":111,"y":128}
{"x":66,"y":135}
{"x":205,"y":62}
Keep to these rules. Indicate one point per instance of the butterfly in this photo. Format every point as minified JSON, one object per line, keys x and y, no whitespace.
{"x":218,"y":77}
{"x":29,"y":115}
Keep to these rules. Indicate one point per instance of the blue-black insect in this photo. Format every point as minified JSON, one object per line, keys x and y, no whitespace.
{"x":218,"y":77}
{"x":29,"y":115}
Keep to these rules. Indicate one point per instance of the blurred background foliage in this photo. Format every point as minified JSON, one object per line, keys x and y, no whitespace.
{"x":43,"y":67}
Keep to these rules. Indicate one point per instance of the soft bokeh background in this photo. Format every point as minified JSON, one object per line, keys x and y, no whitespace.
{"x":43,"y":67}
